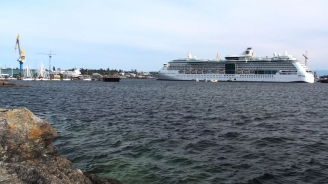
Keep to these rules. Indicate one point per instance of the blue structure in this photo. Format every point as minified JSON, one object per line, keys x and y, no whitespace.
{"x":21,"y":58}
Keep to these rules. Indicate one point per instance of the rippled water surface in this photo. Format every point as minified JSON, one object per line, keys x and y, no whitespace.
{"x":148,"y":131}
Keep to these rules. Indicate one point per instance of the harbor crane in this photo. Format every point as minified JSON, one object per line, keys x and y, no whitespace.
{"x":49,"y":54}
{"x":21,"y":59}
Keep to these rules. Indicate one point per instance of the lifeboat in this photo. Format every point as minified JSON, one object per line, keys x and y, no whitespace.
{"x":193,"y":71}
{"x":213,"y":80}
{"x":199,"y":71}
{"x":221,"y":71}
{"x":239,"y":71}
{"x":187,"y":72}
{"x":246,"y":71}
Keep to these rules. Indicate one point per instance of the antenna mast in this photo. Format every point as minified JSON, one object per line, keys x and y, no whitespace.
{"x":50,"y":54}
{"x":306,"y":58}
{"x":217,"y":56}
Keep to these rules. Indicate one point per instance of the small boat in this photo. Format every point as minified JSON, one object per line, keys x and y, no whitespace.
{"x":27,"y":74}
{"x":12,"y":78}
{"x":86,"y":77}
{"x":45,"y":79}
{"x":27,"y":79}
{"x":66,"y":78}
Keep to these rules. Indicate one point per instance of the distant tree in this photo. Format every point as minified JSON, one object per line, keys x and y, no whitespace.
{"x":53,"y":68}
{"x":101,"y":71}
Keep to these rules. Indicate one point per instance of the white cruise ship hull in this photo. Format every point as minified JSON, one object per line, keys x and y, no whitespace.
{"x":174,"y":75}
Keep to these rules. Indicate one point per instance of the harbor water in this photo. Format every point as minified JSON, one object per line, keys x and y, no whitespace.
{"x":171,"y":132}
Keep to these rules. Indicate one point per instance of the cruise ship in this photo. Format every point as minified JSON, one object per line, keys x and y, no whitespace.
{"x":244,"y":67}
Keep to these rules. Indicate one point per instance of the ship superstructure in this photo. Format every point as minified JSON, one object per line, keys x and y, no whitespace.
{"x":243,"y":67}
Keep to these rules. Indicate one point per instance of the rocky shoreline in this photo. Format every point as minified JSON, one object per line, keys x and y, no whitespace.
{"x":28,"y":156}
{"x":4,"y":83}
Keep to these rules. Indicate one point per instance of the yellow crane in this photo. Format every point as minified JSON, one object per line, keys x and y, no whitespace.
{"x":21,"y":59}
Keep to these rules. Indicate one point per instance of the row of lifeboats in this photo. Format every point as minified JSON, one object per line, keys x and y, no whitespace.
{"x":245,"y":72}
{"x":214,"y":71}
{"x":207,"y":80}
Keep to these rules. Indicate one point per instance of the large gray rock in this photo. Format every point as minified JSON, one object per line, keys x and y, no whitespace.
{"x":28,"y":156}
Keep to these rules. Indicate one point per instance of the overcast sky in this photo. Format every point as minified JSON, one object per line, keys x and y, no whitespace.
{"x":144,"y":34}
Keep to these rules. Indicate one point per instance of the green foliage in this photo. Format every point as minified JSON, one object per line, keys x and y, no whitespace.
{"x":109,"y":72}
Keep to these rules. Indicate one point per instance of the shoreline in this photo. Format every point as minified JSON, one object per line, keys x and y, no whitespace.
{"x":27,"y":154}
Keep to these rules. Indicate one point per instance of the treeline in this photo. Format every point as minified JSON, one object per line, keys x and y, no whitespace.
{"x":85,"y":71}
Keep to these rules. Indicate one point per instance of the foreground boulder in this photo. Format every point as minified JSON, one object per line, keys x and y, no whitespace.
{"x":28,"y":156}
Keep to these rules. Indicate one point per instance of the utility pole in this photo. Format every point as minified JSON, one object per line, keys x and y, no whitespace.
{"x":49,"y":54}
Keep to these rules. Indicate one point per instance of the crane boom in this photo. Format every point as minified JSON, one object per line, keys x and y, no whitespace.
{"x":17,"y":43}
{"x":21,"y":59}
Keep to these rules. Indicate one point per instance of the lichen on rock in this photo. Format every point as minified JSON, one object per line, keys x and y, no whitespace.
{"x":28,"y":156}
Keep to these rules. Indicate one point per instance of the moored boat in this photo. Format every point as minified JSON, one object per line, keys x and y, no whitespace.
{"x":323,"y":80}
{"x":111,"y":79}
